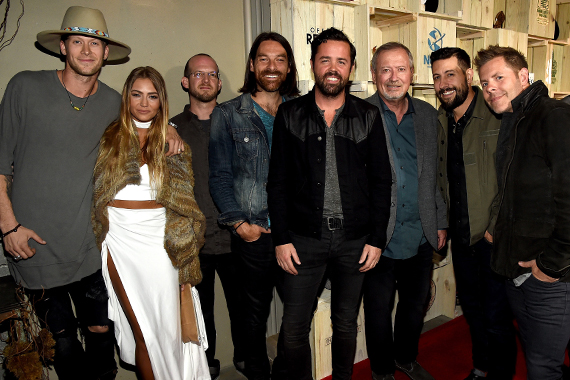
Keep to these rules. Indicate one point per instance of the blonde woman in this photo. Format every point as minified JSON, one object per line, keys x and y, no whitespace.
{"x":149,"y":229}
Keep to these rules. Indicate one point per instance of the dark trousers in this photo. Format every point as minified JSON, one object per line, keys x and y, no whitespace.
{"x":259,"y":273}
{"x":339,"y":258}
{"x":412,"y":278}
{"x":227,"y":267}
{"x":484,"y":303}
{"x":54,"y":310}
{"x":542,"y":311}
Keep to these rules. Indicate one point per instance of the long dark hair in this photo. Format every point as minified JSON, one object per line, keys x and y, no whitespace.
{"x":289,"y":87}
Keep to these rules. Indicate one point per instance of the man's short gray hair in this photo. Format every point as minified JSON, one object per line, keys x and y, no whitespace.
{"x":391,"y":46}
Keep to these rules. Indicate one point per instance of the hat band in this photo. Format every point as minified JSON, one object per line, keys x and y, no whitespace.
{"x":95,"y":32}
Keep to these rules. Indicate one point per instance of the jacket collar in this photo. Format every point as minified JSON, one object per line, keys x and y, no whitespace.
{"x":246,"y":102}
{"x":349,"y":109}
{"x":526,"y":99}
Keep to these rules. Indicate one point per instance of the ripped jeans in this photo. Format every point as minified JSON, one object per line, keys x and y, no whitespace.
{"x":54,"y":310}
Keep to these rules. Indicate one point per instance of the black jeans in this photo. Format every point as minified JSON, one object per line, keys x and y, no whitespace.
{"x":337,"y":257}
{"x":53,"y":308}
{"x":412,"y":278}
{"x":259,"y":274}
{"x":542,"y":311}
{"x":484,"y":303}
{"x":227,"y":267}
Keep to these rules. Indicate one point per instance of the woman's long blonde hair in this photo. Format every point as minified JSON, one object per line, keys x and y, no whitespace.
{"x":121,"y":136}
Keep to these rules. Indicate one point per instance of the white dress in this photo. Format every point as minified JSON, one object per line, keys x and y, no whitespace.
{"x":136,"y":243}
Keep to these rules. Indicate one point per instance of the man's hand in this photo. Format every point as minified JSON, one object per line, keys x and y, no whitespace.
{"x":370,"y":257}
{"x":488,"y":237}
{"x":441,"y":238}
{"x":536,"y":272}
{"x":16,"y":243}
{"x":249,"y":232}
{"x":175,"y":143}
{"x":284,"y":254}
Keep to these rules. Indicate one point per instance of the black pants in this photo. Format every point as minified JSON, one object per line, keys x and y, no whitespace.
{"x":542,"y":311}
{"x":259,"y":274}
{"x":339,"y":258}
{"x":486,"y":308}
{"x":412,"y":278}
{"x":227,"y":267}
{"x":54,"y":310}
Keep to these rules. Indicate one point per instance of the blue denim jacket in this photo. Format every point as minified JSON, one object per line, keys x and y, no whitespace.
{"x":239,"y":163}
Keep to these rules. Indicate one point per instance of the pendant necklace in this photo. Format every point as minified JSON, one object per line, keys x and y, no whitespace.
{"x":69,"y":97}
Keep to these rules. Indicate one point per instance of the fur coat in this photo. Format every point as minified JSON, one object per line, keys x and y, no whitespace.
{"x":185,"y":223}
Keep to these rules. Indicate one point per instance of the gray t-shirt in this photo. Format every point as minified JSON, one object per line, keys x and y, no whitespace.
{"x":53,"y":149}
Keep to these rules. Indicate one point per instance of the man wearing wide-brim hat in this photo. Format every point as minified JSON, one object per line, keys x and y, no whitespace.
{"x":50,"y":126}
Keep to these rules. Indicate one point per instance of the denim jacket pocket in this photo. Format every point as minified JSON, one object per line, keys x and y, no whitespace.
{"x":247,"y":143}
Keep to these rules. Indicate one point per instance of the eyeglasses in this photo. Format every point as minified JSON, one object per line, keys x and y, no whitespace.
{"x":201,"y":75}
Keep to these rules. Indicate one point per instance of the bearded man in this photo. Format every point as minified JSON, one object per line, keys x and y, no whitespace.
{"x":329,"y":201}
{"x":467,"y":134}
{"x":240,"y":147}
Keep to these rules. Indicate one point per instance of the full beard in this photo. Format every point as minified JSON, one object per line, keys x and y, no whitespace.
{"x":270,"y":85}
{"x":461,"y":94}
{"x":330,"y":89}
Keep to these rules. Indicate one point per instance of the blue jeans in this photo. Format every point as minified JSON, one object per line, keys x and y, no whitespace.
{"x":412,"y":278}
{"x":486,"y":308}
{"x":226,"y":265}
{"x":337,"y":257}
{"x":259,"y":273}
{"x":542,"y":311}
{"x":53,"y":308}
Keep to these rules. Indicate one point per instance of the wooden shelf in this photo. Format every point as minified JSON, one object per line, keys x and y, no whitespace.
{"x":383,"y":17}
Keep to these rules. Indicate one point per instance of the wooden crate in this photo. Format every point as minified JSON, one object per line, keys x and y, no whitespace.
{"x":299,"y":21}
{"x":321,"y":337}
{"x":443,"y":291}
{"x":545,"y":61}
{"x":422,"y":34}
{"x":473,"y":42}
{"x":534,"y":17}
{"x":563,"y":18}
{"x":478,"y":13}
{"x":445,"y":7}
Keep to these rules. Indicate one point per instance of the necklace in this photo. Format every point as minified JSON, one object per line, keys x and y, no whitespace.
{"x":69,"y":97}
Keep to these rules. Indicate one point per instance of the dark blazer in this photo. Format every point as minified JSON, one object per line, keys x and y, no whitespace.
{"x":297,"y":171}
{"x":433,"y":212}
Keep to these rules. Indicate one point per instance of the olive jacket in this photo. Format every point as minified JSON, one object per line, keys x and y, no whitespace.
{"x":479,"y":146}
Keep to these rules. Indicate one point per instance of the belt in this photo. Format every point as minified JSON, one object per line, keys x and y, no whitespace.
{"x":333,"y":223}
{"x":135,"y":205}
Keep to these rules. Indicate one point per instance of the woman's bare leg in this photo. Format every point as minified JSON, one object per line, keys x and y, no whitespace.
{"x":142,"y":359}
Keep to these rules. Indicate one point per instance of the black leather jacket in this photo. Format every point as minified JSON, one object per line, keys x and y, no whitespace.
{"x":297,"y":171}
{"x":533,"y":168}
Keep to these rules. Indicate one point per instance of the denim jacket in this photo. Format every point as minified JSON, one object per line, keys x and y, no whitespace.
{"x":239,"y":163}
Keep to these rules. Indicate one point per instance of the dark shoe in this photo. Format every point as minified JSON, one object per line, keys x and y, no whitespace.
{"x":414,"y":371}
{"x":389,"y":376}
{"x":474,"y":376}
{"x":240,"y":367}
{"x":214,"y":369}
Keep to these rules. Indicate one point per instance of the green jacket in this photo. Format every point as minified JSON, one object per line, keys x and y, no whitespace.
{"x":479,"y":145}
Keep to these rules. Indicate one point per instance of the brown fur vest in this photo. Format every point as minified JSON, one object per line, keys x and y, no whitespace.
{"x":185,"y":223}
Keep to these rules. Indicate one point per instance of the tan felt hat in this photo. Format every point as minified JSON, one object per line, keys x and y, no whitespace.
{"x":87,"y":22}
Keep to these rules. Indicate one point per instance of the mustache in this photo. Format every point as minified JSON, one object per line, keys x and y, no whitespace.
{"x":334,"y":74}
{"x":271,"y":72}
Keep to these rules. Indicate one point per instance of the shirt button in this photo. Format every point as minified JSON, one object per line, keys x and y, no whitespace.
{"x":246,"y":139}
{"x":318,"y":184}
{"x":401,"y":167}
{"x":319,"y":138}
{"x":319,"y":160}
{"x":317,"y":208}
{"x":404,"y":186}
